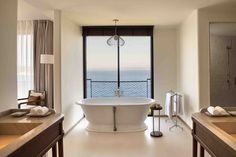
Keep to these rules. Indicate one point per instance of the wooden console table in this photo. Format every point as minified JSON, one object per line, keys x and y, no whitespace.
{"x":216,"y":135}
{"x":34,"y":136}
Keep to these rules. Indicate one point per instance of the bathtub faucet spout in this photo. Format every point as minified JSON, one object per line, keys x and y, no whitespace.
{"x":118,"y":92}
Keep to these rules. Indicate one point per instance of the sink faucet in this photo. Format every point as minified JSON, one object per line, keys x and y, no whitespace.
{"x":118,"y":92}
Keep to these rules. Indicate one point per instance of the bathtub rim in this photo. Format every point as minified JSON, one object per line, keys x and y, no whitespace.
{"x":81,"y":103}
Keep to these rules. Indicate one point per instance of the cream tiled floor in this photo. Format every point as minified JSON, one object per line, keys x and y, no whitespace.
{"x":80,"y":143}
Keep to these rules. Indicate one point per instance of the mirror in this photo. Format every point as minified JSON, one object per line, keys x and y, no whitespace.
{"x":223,"y":64}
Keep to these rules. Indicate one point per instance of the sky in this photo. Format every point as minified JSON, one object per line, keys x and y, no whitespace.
{"x":134,"y":55}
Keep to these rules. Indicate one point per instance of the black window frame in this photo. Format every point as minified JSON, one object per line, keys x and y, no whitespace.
{"x":121,"y":31}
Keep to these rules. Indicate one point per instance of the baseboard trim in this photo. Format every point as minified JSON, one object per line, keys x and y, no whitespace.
{"x":162,"y":115}
{"x":184,"y":123}
{"x":69,"y":130}
{"x":177,"y":117}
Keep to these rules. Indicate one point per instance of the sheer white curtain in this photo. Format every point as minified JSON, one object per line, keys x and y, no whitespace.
{"x":25,"y":58}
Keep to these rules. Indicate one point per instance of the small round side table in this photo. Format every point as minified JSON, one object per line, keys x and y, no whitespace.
{"x":156,"y":133}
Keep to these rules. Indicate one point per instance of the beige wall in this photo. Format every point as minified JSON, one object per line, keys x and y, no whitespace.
{"x":8,"y":46}
{"x":205,"y":17}
{"x":71,"y":71}
{"x":68,"y":66}
{"x":187,"y":65}
{"x":57,"y":60}
{"x":164,"y":62}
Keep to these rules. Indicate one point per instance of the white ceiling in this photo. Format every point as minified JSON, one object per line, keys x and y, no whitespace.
{"x":130,"y":12}
{"x":29,"y":12}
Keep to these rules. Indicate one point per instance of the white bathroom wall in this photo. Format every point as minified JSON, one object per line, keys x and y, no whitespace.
{"x":165,"y":62}
{"x":187,"y":65}
{"x":57,"y":60}
{"x":71,"y":71}
{"x":221,"y":94}
{"x":8,"y":47}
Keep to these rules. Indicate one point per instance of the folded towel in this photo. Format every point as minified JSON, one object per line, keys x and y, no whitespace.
{"x":180,"y":101}
{"x":177,"y":101}
{"x":34,"y":110}
{"x":212,"y":110}
{"x":220,"y":110}
{"x":168,"y":105}
{"x":39,"y":110}
{"x":173,"y":104}
{"x":216,"y":110}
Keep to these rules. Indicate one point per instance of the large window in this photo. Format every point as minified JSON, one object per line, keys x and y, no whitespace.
{"x":127,"y":67}
{"x":101,"y":67}
{"x":25,"y":70}
{"x":135,"y":66}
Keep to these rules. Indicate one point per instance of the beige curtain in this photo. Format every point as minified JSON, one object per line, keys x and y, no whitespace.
{"x":43,"y":44}
{"x":25,"y":55}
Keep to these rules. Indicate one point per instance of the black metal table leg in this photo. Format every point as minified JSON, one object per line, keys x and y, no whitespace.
{"x":156,"y":133}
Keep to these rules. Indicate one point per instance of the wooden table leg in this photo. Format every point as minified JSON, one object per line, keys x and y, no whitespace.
{"x":54,"y":151}
{"x":201,"y":151}
{"x":60,"y":148}
{"x":194,"y":147}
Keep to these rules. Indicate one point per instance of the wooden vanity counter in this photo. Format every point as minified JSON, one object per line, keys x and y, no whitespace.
{"x":30,"y":136}
{"x":216,"y":135}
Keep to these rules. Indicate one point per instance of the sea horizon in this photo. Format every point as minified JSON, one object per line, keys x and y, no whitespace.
{"x":138,"y":84}
{"x":125,"y":75}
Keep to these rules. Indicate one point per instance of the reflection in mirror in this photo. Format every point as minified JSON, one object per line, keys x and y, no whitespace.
{"x":223,"y":64}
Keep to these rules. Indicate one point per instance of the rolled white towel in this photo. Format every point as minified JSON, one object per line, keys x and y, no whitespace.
{"x":216,"y":110}
{"x":42,"y":110}
{"x":34,"y":110}
{"x":39,"y":110}
{"x":212,"y":110}
{"x":220,"y":110}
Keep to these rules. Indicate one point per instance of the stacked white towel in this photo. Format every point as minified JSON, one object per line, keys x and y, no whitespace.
{"x":39,"y":110}
{"x":179,"y":104}
{"x":168,"y":105}
{"x":216,"y":110}
{"x":173,"y":104}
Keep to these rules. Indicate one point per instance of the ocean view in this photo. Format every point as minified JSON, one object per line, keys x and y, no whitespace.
{"x":104,"y":83}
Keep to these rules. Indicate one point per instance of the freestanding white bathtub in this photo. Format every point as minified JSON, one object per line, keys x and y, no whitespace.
{"x":121,"y":114}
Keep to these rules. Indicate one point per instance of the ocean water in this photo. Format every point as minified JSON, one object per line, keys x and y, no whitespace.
{"x":133,"y":83}
{"x":127,"y":75}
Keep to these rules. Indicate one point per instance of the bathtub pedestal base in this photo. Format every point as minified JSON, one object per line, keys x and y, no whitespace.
{"x":109,"y":128}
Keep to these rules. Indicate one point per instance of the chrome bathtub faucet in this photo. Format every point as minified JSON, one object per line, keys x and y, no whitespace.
{"x":118,"y":93}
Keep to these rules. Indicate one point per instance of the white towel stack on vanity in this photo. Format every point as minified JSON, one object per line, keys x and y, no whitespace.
{"x":216,"y":111}
{"x":39,"y":110}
